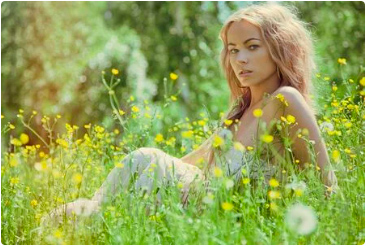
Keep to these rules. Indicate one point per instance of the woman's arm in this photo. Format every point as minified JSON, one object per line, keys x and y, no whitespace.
{"x":201,"y":152}
{"x":305,"y":119}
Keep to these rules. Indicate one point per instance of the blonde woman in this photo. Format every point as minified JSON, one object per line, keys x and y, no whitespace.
{"x":267,"y":50}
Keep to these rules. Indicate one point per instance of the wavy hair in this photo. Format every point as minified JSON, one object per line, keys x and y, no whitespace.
{"x":290,"y":45}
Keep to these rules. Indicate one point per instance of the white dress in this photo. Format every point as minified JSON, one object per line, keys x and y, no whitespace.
{"x":146,"y":169}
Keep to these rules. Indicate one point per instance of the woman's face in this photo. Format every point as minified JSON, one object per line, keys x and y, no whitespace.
{"x":249,"y":56}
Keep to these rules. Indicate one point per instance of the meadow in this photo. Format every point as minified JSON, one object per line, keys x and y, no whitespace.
{"x":73,"y":163}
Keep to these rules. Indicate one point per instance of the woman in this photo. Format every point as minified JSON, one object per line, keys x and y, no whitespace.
{"x":267,"y":51}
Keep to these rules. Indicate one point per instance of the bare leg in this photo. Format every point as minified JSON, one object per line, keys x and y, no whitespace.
{"x":143,"y":168}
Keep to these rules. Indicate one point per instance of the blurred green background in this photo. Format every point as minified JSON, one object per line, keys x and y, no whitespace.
{"x":53,"y":54}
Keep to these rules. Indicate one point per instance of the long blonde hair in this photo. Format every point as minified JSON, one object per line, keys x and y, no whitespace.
{"x":290,"y":45}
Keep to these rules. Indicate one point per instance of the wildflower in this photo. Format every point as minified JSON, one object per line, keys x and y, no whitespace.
{"x":273,"y":206}
{"x":57,"y":234}
{"x":250,"y":148}
{"x":173,"y":76}
{"x":174,"y":98}
{"x":258,"y":112}
{"x":326,"y":78}
{"x":77,"y":178}
{"x":24,"y":138}
{"x":273,"y":183}
{"x":291,"y":118}
{"x":34,"y":203}
{"x":87,"y":126}
{"x":239,"y":146}
{"x":336,"y":155}
{"x":2,"y":116}
{"x":135,"y":109}
{"x":159,"y":138}
{"x":281,"y":97}
{"x":209,"y":198}
{"x":115,"y":71}
{"x":116,"y":131}
{"x":217,"y":141}
{"x":119,"y":165}
{"x":13,"y":162}
{"x":227,"y":206}
{"x":14,"y":180}
{"x":201,"y":122}
{"x":217,"y":172}
{"x":187,"y":134}
{"x":58,"y":116}
{"x":342,"y":61}
{"x":334,"y":88}
{"x":301,"y":219}
{"x":267,"y":138}
{"x":348,"y":124}
{"x":274,"y":194}
{"x":41,"y":166}
{"x":246,"y":180}
{"x":362,"y":81}
{"x":228,"y":122}
{"x":229,"y":184}
{"x":62,"y":143}
{"x":11,"y":126}
{"x":326,"y":126}
{"x":16,"y":142}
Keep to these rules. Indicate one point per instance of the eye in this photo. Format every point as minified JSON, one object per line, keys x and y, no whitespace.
{"x":253,"y":47}
{"x":233,"y":51}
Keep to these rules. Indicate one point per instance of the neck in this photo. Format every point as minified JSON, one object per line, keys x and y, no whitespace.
{"x":258,"y":91}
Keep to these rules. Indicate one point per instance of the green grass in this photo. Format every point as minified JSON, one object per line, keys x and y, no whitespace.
{"x":36,"y":179}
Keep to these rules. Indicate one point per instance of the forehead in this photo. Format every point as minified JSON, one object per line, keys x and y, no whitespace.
{"x":239,"y":31}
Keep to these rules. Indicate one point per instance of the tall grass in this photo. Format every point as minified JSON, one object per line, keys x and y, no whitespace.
{"x":69,"y":165}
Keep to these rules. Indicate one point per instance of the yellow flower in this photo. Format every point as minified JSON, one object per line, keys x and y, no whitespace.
{"x":217,"y":141}
{"x":57,"y":234}
{"x":201,"y":122}
{"x":11,"y":126}
{"x":267,"y":138}
{"x":274,"y":194}
{"x":16,"y":142}
{"x":281,"y":97}
{"x":187,"y":134}
{"x":24,"y":138}
{"x":334,"y":88}
{"x":227,"y":206}
{"x":87,"y":126}
{"x":342,"y":61}
{"x":58,"y":116}
{"x":336,"y":155}
{"x":239,"y":146}
{"x":228,"y":122}
{"x":173,"y":76}
{"x":135,"y":109}
{"x":299,"y":192}
{"x":217,"y":172}
{"x":348,"y":124}
{"x":326,"y":78}
{"x":13,"y":162}
{"x":119,"y":165}
{"x":115,"y":71}
{"x":258,"y":112}
{"x":174,"y":98}
{"x":62,"y":143}
{"x":34,"y":203}
{"x":116,"y":131}
{"x":246,"y":180}
{"x":291,"y":118}
{"x":77,"y":178}
{"x":159,"y":138}
{"x":273,"y":183}
{"x":2,"y":116}
{"x":250,"y":148}
{"x":362,"y":81}
{"x":14,"y":180}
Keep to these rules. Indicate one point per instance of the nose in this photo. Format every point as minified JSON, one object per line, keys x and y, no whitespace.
{"x":242,"y":57}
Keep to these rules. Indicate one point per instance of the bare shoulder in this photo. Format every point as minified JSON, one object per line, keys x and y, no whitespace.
{"x":292,"y":98}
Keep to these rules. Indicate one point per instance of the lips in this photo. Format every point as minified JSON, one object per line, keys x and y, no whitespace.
{"x":242,"y":72}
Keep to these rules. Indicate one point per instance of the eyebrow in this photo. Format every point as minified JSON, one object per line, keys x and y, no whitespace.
{"x":245,"y":41}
